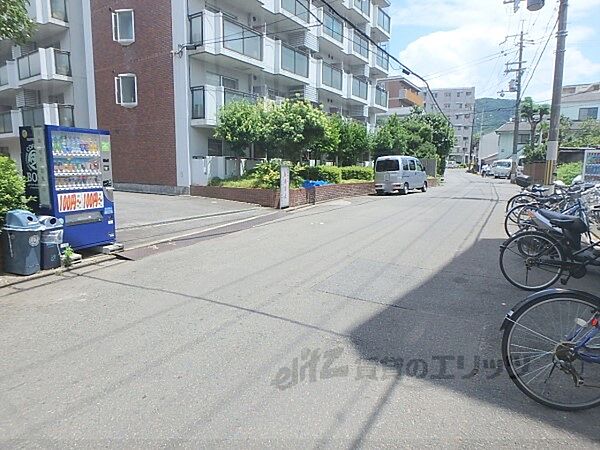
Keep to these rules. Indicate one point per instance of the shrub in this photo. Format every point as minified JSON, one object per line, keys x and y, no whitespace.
{"x":12,"y":188}
{"x":534,"y":153}
{"x":357,"y":173}
{"x":266,"y":175}
{"x":567,"y":172}
{"x":331,"y":174}
{"x":216,"y":181}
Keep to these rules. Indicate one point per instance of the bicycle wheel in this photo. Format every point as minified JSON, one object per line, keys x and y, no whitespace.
{"x":538,"y":350}
{"x":517,"y":219}
{"x":520,"y":199}
{"x":532,"y":260}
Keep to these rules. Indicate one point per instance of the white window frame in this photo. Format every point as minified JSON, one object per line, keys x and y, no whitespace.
{"x":119,"y":90}
{"x":115,"y":26}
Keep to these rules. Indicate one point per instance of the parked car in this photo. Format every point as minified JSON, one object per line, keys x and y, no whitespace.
{"x":399,"y":173}
{"x":451,"y":164}
{"x":501,"y":168}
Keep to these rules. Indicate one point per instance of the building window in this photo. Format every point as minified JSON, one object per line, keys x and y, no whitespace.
{"x":294,"y":61}
{"x":247,"y":41}
{"x":126,"y":90}
{"x":333,"y":27}
{"x":447,"y":94}
{"x":435,"y":94}
{"x":467,"y":116}
{"x":588,"y":113}
{"x":332,"y":77}
{"x":447,"y":105}
{"x":459,"y":105}
{"x":123,"y":26}
{"x":359,"y":88}
{"x":523,"y":139}
{"x":458,"y":94}
{"x":299,"y":8}
{"x":215,"y":147}
{"x":468,"y":94}
{"x":361,"y":45}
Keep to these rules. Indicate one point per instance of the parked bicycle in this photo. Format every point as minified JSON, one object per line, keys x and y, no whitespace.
{"x":551,"y":348}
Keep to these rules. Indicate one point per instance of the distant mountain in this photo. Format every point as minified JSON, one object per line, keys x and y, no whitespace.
{"x":493,"y":112}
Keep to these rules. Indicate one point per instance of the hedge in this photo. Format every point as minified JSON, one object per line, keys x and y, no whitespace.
{"x":331,"y":174}
{"x":357,"y":173}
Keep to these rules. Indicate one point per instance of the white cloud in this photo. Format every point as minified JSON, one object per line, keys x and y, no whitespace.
{"x":470,"y":31}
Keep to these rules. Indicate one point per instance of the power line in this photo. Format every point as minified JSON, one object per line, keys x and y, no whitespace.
{"x":406,"y":69}
{"x":540,"y":58}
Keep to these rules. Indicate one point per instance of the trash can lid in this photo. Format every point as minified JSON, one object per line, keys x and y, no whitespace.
{"x":50,"y":222}
{"x":20,"y":219}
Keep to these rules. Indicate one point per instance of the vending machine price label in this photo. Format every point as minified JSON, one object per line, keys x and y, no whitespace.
{"x":80,"y":201}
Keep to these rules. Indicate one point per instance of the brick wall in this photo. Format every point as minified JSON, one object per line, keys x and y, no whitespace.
{"x":298,"y":197}
{"x":143,"y":138}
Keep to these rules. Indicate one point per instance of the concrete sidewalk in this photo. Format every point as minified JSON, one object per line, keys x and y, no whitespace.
{"x":144,"y":219}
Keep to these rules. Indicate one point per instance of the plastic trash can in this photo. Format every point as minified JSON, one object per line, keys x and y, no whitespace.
{"x":51,"y":239}
{"x":21,"y":242}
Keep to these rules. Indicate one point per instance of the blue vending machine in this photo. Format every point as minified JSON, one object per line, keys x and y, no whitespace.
{"x":69,"y":172}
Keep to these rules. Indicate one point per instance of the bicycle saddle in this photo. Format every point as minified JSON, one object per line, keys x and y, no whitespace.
{"x":538,"y":188}
{"x":571,"y":223}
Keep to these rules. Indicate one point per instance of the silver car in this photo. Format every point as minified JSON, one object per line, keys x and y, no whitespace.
{"x":399,"y":173}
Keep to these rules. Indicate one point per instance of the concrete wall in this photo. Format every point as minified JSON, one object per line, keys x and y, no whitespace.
{"x":571,"y":109}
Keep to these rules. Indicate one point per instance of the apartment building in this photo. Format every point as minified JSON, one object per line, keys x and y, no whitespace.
{"x":164,"y":70}
{"x":403,"y":96}
{"x":458,"y":104}
{"x":50,"y":79}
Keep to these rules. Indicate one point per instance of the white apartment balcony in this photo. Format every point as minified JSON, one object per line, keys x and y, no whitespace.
{"x":10,"y":121}
{"x":357,"y":90}
{"x":294,"y":64}
{"x":358,"y":11}
{"x":333,"y":34}
{"x":331,"y":79}
{"x":47,"y":114}
{"x":50,"y":17}
{"x":290,"y":12}
{"x":44,"y":68}
{"x":378,"y":100}
{"x":207,"y":101}
{"x":357,"y":48}
{"x":380,"y":25}
{"x":382,"y":3}
{"x":228,"y":42}
{"x":380,"y":63}
{"x":35,"y":116}
{"x":9,"y":80}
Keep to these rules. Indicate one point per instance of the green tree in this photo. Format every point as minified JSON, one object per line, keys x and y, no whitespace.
{"x":442,"y":137}
{"x":534,"y":114}
{"x":355,"y":141}
{"x":241,"y":125}
{"x":391,"y":138}
{"x":294,"y":126}
{"x":587,"y":135}
{"x":15,"y":24}
{"x":329,"y":143}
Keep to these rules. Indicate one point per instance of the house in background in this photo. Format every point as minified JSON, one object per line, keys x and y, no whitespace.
{"x":581,"y":101}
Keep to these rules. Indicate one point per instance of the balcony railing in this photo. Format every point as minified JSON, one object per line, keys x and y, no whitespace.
{"x":62,"y":62}
{"x":58,"y":10}
{"x":332,"y":77}
{"x":383,"y":20}
{"x":333,"y":27}
{"x":3,"y":75}
{"x":381,"y":97}
{"x":231,"y":95}
{"x":241,"y":39}
{"x":363,"y":6}
{"x":382,"y":59}
{"x":29,"y":65}
{"x":299,"y":8}
{"x":6,"y":122}
{"x":359,"y":88}
{"x":361,"y":45}
{"x":294,"y":61}
{"x":65,"y":116}
{"x":198,"y":102}
{"x":196,"y":28}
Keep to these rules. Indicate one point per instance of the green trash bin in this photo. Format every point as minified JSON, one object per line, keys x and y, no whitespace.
{"x":21,"y":242}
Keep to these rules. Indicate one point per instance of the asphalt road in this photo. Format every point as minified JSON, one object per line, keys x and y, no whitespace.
{"x":325,"y":328}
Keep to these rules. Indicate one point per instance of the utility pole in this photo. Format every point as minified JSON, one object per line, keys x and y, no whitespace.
{"x":552,"y":150}
{"x":519,"y":71}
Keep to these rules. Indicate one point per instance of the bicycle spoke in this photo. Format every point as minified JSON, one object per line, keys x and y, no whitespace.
{"x":534,"y":332}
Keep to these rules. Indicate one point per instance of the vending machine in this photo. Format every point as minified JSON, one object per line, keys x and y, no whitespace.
{"x":69,"y":173}
{"x":591,"y":166}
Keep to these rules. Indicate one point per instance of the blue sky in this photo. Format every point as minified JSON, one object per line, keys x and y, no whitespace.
{"x":455,"y":43}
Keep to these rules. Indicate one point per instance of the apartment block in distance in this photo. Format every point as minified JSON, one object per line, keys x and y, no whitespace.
{"x":49,"y":80}
{"x":458,"y":104}
{"x":165,"y":68}
{"x":403,"y":96}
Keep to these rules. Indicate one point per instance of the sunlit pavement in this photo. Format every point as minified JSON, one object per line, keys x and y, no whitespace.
{"x":369,"y":322}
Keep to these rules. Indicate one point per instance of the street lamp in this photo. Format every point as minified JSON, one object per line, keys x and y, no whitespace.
{"x":535,"y":5}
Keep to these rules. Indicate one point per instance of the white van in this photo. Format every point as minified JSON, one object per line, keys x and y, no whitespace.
{"x":399,"y":173}
{"x":501,"y":168}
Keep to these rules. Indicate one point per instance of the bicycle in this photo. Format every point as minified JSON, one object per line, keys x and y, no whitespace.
{"x":551,"y":348}
{"x":545,"y":253}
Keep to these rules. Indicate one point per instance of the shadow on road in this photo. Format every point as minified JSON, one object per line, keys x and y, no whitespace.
{"x":445,"y":331}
